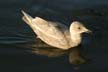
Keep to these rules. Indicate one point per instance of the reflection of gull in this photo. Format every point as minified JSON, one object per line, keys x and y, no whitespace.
{"x":55,"y":33}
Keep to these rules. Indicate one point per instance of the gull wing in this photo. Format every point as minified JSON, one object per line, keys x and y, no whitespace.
{"x":53,"y":30}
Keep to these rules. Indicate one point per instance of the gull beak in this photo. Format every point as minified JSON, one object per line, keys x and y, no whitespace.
{"x":88,"y":31}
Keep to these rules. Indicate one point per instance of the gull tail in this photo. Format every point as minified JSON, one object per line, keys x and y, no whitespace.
{"x":27,"y":18}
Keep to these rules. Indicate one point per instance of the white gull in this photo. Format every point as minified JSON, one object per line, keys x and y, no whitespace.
{"x":56,"y":34}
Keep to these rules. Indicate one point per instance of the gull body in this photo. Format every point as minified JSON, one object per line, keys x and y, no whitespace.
{"x":56,"y":34}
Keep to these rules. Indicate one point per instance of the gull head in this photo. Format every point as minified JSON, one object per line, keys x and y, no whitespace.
{"x":78,"y":28}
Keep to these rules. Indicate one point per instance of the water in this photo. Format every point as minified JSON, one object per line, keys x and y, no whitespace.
{"x":17,"y":38}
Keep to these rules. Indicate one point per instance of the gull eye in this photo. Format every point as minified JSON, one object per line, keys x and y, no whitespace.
{"x":79,"y":28}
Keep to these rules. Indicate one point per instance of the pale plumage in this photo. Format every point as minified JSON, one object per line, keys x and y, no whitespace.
{"x":56,"y":34}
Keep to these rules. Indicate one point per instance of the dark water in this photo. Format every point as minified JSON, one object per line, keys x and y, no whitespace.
{"x":14,"y":34}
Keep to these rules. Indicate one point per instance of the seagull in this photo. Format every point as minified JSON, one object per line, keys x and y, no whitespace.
{"x":56,"y":34}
